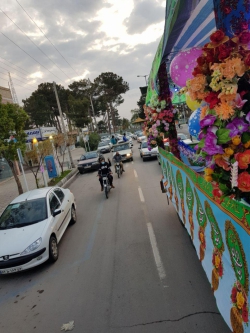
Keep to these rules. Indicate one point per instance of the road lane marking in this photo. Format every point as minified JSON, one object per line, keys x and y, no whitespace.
{"x":141,"y":194}
{"x":136,"y":176}
{"x":158,"y":262}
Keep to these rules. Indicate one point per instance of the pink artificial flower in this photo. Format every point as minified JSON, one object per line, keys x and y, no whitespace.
{"x":239,"y":103}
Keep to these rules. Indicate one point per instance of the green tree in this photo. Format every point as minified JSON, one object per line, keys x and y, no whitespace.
{"x":141,"y":103}
{"x":102,"y":126}
{"x":125,"y":123}
{"x":42,"y":108}
{"x":78,"y":111}
{"x":94,"y":139}
{"x":110,"y":87}
{"x":135,"y":114}
{"x":12,"y":122}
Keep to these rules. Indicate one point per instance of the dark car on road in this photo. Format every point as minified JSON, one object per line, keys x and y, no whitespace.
{"x":89,"y":161}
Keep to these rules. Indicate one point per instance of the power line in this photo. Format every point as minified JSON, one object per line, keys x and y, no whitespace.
{"x":29,"y":55}
{"x":14,"y":65}
{"x":16,"y":84}
{"x":35,"y":44}
{"x":46,"y":37}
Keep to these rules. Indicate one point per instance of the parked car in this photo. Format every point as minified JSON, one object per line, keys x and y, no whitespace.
{"x":88,"y":161}
{"x":103,"y":147}
{"x":181,"y":136}
{"x":134,"y":135}
{"x":31,"y":227}
{"x":145,"y":153}
{"x":124,"y":150}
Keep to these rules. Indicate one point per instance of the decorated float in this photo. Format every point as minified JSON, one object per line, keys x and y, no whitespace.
{"x":205,"y":51}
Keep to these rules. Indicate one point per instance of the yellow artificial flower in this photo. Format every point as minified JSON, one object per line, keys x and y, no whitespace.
{"x":209,"y":171}
{"x":208,"y":178}
{"x":236,"y":140}
{"x":247,"y":145}
{"x":229,"y":151}
{"x":240,"y":300}
{"x":217,"y":261}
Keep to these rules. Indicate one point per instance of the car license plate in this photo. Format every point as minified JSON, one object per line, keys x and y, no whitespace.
{"x":87,"y":167}
{"x":10,"y":270}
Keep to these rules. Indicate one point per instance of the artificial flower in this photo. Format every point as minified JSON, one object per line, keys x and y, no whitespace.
{"x":244,"y":37}
{"x":240,"y":300}
{"x":211,"y":147}
{"x":245,"y":313}
{"x":229,"y":151}
{"x":243,"y":159}
{"x":224,"y":52}
{"x":204,"y":112}
{"x":234,"y":294}
{"x":221,"y":162}
{"x":236,"y":127}
{"x":217,"y":261}
{"x":247,"y":60}
{"x":217,"y":37}
{"x":247,"y":144}
{"x":248,"y":117}
{"x":217,"y":193}
{"x":236,"y":140}
{"x":207,"y":121}
{"x":244,"y":182}
{"x":224,"y":111}
{"x":212,"y":99}
{"x":208,"y":178}
{"x":239,"y":102}
{"x":208,"y":171}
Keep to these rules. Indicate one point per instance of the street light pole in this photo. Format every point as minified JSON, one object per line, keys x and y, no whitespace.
{"x":145,"y":76}
{"x":63,"y":125}
{"x":92,"y":106}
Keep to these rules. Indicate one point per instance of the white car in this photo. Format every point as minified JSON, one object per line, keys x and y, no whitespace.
{"x":129,"y":141}
{"x":124,"y":150}
{"x":145,"y":153}
{"x":31,"y":227}
{"x":141,"y":137}
{"x":103,"y":147}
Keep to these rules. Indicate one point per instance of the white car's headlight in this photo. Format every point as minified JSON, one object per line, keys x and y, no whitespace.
{"x":32,"y":247}
{"x":128,"y":154}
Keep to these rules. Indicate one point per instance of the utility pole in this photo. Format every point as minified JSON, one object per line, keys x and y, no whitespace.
{"x":63,"y":125}
{"x":92,"y":106}
{"x":13,"y":91}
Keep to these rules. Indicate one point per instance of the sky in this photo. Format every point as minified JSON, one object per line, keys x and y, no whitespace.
{"x":85,"y":39}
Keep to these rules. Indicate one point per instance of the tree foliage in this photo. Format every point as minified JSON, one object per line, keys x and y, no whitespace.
{"x":12,"y":122}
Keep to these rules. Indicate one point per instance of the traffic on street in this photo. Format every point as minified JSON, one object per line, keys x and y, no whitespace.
{"x":127,"y":265}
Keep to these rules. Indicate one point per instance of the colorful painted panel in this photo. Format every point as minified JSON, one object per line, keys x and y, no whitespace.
{"x":220,"y":234}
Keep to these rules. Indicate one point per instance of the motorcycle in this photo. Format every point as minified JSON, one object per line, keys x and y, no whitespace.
{"x":106,"y":185}
{"x":118,"y":169}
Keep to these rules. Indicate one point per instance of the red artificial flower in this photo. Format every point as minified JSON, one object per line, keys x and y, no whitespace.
{"x":247,"y":60}
{"x":217,"y":193}
{"x":212,"y":99}
{"x":197,"y":70}
{"x":244,"y":37}
{"x":224,"y":52}
{"x":220,"y":270}
{"x":244,"y":182}
{"x":245,"y":313}
{"x":201,"y":60}
{"x":244,"y":26}
{"x":234,"y":294}
{"x":217,"y":36}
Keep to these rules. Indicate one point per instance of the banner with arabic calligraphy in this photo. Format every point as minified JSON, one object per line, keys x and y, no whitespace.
{"x":220,"y":232}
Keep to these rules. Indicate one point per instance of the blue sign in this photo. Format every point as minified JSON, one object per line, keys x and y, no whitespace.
{"x":51,"y":166}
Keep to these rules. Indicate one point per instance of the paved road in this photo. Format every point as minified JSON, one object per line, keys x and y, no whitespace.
{"x":106,"y":278}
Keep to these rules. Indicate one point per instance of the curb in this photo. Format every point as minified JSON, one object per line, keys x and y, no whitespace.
{"x":66,"y":181}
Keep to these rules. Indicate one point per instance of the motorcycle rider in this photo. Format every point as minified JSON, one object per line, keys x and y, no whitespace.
{"x":104,"y":169}
{"x":118,"y":159}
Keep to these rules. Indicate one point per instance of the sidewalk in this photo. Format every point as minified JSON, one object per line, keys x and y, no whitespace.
{"x":8,"y":188}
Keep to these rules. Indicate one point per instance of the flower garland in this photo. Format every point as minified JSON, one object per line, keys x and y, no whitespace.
{"x":222,"y":80}
{"x":161,"y":116}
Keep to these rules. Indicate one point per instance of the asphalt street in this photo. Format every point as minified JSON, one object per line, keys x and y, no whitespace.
{"x":126,"y":266}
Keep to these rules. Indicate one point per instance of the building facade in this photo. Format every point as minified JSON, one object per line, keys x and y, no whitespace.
{"x":6,"y":95}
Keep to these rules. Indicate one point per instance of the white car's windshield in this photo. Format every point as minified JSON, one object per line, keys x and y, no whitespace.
{"x":144,"y":145}
{"x":24,"y":213}
{"x":121,"y":147}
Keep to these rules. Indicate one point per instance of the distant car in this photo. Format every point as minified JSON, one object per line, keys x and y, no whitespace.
{"x":145,"y":153}
{"x":88,"y":161}
{"x":181,"y":136}
{"x":31,"y":227}
{"x":141,"y":137}
{"x":124,"y":150}
{"x":103,"y":147}
{"x":134,"y":135}
{"x":108,"y":142}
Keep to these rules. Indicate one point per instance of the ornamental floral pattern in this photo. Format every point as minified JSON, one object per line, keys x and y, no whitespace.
{"x":221,"y":80}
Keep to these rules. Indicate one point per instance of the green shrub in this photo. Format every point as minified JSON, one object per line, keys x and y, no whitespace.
{"x":94,"y":139}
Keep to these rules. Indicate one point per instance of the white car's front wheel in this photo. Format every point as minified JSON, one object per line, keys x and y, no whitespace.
{"x":53,"y":249}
